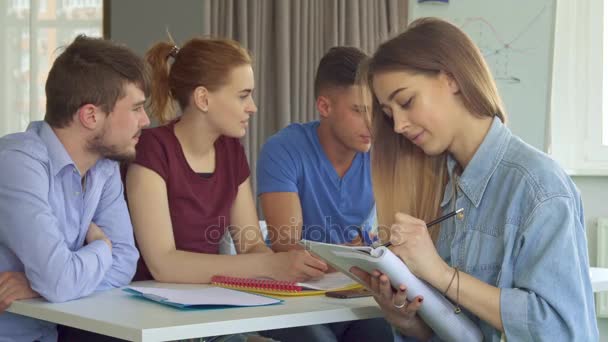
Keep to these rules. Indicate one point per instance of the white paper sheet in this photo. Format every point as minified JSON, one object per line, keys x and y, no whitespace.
{"x":206,"y":296}
{"x":330,"y":281}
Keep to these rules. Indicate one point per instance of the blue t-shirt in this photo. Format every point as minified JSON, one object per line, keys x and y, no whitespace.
{"x":332,"y":207}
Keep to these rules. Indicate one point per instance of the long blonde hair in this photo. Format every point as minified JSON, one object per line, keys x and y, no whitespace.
{"x":404,"y":178}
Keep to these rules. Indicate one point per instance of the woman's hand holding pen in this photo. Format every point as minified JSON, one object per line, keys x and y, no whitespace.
{"x":412,"y":243}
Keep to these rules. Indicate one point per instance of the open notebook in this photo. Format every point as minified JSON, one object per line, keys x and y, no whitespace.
{"x":330,"y":282}
{"x":203,"y":298}
{"x":437,"y":311}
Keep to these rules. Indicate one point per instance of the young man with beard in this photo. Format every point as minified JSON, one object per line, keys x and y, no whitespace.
{"x":65,"y":230}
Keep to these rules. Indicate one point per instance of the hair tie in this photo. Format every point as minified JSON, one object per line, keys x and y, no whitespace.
{"x":174,"y":51}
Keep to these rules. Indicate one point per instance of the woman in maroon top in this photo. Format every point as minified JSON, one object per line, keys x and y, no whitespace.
{"x":190,"y":180}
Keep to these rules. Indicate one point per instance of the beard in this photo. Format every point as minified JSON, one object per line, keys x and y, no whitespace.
{"x":99,"y":146}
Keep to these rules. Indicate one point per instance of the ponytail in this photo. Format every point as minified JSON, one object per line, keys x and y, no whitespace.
{"x":162,"y":105}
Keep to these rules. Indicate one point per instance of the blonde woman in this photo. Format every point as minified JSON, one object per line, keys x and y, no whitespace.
{"x":516,"y":262}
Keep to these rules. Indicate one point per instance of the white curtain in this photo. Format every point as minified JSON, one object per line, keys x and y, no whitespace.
{"x":31,"y":31}
{"x":287,"y":40}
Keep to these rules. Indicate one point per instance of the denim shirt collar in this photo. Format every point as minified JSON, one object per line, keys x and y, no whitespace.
{"x":480,"y":169}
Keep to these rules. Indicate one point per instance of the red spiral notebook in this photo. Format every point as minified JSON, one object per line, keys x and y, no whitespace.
{"x":330,"y":282}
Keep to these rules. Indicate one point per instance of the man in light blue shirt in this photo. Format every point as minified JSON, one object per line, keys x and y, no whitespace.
{"x":65,"y":230}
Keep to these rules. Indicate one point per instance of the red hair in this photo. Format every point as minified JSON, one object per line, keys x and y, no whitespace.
{"x":200,"y":62}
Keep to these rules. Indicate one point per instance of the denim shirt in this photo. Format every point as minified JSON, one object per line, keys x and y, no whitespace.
{"x":44,"y":217}
{"x":522,"y":231}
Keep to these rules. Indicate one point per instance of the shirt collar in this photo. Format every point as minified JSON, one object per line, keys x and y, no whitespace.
{"x":477,"y":174}
{"x":58,"y":156}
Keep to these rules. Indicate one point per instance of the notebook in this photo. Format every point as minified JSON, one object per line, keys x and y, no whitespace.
{"x":203,"y":298}
{"x":330,"y":282}
{"x":437,"y":311}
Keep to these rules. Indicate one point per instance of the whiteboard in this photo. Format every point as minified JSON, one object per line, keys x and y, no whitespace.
{"x":516,"y":39}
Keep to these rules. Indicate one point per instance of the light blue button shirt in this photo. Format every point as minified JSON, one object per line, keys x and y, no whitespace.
{"x":44,"y":217}
{"x":523,"y":231}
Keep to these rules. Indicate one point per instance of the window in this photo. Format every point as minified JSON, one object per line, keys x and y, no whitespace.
{"x":32,"y":32}
{"x":579,"y":100}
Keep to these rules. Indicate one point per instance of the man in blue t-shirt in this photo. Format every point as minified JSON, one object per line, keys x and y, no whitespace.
{"x":313,"y":179}
{"x":314,"y":182}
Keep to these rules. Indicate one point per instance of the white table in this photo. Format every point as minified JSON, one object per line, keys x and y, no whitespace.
{"x":118,"y":314}
{"x":599,"y":279}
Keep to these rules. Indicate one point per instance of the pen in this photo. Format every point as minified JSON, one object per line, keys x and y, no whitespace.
{"x":360,"y":232}
{"x":435,"y":221}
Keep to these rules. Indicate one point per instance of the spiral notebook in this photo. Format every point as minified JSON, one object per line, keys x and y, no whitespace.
{"x":330,"y":282}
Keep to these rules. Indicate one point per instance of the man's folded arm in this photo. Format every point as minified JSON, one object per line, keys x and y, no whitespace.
{"x":30,"y":229}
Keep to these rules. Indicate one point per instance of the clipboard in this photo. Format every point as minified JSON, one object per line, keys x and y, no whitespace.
{"x":437,"y":311}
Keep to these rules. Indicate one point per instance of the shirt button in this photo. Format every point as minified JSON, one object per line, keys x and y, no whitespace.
{"x":460,"y":215}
